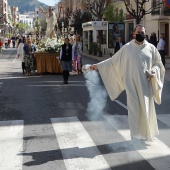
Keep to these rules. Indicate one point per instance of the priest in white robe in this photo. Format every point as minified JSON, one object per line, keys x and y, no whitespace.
{"x":136,"y":68}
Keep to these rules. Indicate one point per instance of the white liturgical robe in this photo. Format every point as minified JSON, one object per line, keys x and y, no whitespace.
{"x":126,"y":70}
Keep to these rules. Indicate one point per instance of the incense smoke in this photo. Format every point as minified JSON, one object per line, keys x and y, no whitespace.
{"x":97,"y":94}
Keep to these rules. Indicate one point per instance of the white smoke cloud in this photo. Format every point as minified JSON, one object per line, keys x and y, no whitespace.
{"x":96,"y":110}
{"x":97,"y":94}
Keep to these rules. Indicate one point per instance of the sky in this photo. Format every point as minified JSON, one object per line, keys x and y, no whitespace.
{"x":49,"y":2}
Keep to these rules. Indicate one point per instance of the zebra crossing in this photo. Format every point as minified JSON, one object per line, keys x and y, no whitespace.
{"x":79,"y":151}
{"x":71,"y":134}
{"x":11,"y":143}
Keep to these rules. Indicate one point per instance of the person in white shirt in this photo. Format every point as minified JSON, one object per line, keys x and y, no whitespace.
{"x":20,"y":55}
{"x":161,"y":48}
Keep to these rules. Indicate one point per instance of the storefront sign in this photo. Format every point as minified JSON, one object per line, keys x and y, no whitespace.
{"x":94,"y":24}
{"x":89,"y":24}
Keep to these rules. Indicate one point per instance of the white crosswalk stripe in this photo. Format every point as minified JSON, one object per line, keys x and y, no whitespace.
{"x":154,"y":150}
{"x":11,"y":144}
{"x":78,"y":149}
{"x":73,"y":139}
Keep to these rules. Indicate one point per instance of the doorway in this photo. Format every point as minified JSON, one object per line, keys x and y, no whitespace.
{"x":167,"y":39}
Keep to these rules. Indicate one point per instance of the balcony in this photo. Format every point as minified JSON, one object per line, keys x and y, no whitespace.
{"x":128,"y":16}
{"x":156,"y":12}
{"x":164,"y":11}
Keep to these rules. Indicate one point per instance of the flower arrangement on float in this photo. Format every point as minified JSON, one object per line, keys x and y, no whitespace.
{"x":52,"y":45}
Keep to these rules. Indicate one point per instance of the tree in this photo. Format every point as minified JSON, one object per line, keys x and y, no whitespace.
{"x":77,"y":18}
{"x":22,"y":27}
{"x":140,"y":8}
{"x":114,"y":13}
{"x":96,"y":7}
{"x":43,"y":25}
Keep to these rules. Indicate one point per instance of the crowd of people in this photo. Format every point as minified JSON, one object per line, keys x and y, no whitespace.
{"x":26,"y":48}
{"x":29,"y":48}
{"x":70,"y":56}
{"x":159,"y":44}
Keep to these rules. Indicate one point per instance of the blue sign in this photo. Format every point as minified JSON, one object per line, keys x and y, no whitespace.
{"x":167,"y":3}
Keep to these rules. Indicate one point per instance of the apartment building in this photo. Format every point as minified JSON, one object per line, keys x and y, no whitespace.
{"x":5,"y":23}
{"x":26,"y":19}
{"x":77,"y":4}
{"x":3,"y":12}
{"x":158,"y":21}
{"x":14,"y":14}
{"x":39,"y":15}
{"x":72,"y":5}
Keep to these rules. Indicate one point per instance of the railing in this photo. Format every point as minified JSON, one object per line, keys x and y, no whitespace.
{"x":165,"y":10}
{"x":156,"y":12}
{"x":128,"y":16}
{"x":161,"y":11}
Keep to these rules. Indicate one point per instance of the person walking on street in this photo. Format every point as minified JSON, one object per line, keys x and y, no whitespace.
{"x":6,"y":42}
{"x":67,"y":58}
{"x":29,"y":50}
{"x":1,"y":45}
{"x":153,"y":39}
{"x":77,"y":49}
{"x":136,"y":68}
{"x":20,"y":54}
{"x":161,"y":48}
{"x":13,"y":41}
{"x":19,"y":40}
{"x":119,"y":44}
{"x":9,"y":42}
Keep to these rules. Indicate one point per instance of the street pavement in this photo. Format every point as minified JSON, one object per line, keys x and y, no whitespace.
{"x":44,"y":125}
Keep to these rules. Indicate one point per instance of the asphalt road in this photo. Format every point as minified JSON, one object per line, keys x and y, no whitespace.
{"x":49,"y":126}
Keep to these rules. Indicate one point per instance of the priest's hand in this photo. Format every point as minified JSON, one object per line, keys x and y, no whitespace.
{"x":93,"y":67}
{"x":150,"y":74}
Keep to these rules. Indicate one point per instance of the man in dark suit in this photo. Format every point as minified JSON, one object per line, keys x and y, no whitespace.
{"x":119,"y":44}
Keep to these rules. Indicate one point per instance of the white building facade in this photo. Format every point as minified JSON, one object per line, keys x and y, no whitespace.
{"x":27,"y":20}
